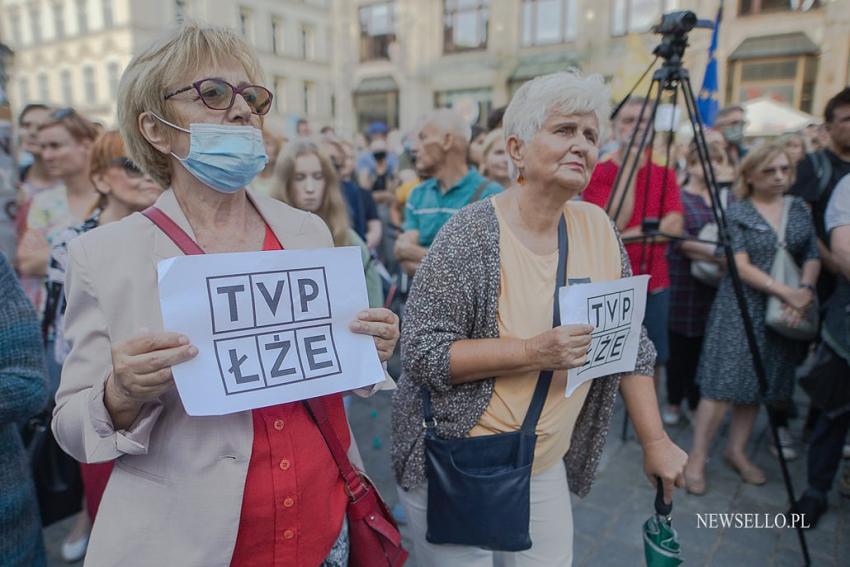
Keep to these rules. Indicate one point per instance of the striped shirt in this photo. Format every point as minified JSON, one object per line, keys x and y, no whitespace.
{"x":429,"y":208}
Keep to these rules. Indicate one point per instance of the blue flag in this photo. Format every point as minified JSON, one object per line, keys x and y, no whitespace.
{"x":708,"y":101}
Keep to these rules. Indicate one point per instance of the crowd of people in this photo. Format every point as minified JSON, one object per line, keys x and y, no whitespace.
{"x":465,"y":235}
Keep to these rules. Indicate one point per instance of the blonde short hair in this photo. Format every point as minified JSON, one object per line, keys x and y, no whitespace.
{"x":167,"y":64}
{"x":756,"y":159}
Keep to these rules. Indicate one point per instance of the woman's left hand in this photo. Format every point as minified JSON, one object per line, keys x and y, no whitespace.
{"x":382,"y":324}
{"x":665,"y":460}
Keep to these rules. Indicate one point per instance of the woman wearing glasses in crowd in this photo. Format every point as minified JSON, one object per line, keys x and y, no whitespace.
{"x":725,"y":373}
{"x":123,"y":189}
{"x":249,"y":488}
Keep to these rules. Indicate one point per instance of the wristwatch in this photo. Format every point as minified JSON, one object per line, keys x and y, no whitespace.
{"x":808,"y":286}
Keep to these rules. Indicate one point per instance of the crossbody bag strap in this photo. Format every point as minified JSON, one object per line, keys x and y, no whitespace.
{"x":541,"y":390}
{"x":783,"y":220}
{"x":165,"y":223}
{"x":354,"y":485}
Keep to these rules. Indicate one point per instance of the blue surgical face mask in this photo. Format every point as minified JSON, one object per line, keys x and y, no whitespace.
{"x":25,"y":159}
{"x":222,"y":156}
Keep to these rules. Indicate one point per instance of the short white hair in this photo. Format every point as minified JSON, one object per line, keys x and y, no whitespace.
{"x":566,"y":92}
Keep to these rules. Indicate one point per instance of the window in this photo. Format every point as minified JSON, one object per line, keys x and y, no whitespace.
{"x":465,"y":24}
{"x":549,"y":21}
{"x":280,"y":102}
{"x":108,"y":14}
{"x":43,"y":87}
{"x":637,"y":16}
{"x":308,"y":42}
{"x":246,"y":23}
{"x":278,"y":38}
{"x":179,"y":11}
{"x":58,"y":20}
{"x":24,"y":90}
{"x":15,"y":26}
{"x":113,"y":72}
{"x":35,"y":23}
{"x":67,"y":87}
{"x":309,"y":98}
{"x":82,"y":16}
{"x":89,"y":84}
{"x":789,"y":79}
{"x":748,"y":7}
{"x":377,"y":30}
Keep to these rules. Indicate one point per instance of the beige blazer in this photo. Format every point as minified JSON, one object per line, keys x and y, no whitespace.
{"x":175,"y":495}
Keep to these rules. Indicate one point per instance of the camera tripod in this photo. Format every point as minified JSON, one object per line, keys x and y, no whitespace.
{"x":672,"y":78}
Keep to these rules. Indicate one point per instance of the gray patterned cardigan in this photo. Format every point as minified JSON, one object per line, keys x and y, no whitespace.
{"x":456,"y":296}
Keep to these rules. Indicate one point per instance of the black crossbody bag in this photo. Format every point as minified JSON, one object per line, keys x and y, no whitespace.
{"x":479,"y":487}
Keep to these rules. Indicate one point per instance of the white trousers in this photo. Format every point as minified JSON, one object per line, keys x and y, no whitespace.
{"x":551,"y":529}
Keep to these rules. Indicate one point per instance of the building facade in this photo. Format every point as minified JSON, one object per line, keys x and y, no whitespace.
{"x":400,"y":58}
{"x":73,"y":52}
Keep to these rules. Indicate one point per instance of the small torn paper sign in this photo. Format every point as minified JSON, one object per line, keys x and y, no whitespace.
{"x":615,"y":309}
{"x":270,"y":327}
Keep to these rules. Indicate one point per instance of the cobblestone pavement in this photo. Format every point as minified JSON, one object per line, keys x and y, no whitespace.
{"x":608,"y":521}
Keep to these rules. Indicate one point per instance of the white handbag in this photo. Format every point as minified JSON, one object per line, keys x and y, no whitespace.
{"x":706,"y":272}
{"x":785,"y":271}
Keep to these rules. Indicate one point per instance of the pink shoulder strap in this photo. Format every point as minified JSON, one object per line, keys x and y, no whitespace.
{"x":183,"y":241}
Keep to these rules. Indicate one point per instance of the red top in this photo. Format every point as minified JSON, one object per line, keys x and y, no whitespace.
{"x":651,"y":258}
{"x":294,"y":498}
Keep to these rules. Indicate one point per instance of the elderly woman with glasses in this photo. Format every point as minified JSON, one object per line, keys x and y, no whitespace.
{"x":248,"y":488}
{"x":478,"y":343}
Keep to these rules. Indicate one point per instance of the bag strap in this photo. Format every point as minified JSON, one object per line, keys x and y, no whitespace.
{"x":354,"y":485}
{"x":823,"y":170}
{"x":541,"y":390}
{"x":165,"y":223}
{"x":783,"y":221}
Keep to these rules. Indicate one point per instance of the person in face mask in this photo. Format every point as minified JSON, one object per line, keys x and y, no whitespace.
{"x":248,"y":488}
{"x":730,"y":122}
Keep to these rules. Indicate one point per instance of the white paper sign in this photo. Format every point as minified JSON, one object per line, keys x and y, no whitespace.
{"x":270,"y":327}
{"x":615,"y":309}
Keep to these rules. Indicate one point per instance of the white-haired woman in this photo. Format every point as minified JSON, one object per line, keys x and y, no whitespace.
{"x":479,"y":338}
{"x":249,"y":488}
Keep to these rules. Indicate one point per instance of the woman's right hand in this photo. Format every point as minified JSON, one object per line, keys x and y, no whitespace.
{"x":800,"y":298}
{"x":560,"y":348}
{"x":141,"y":372}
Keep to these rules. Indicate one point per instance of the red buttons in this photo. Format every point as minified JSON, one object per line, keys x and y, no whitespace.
{"x":285,"y":464}
{"x":278,"y":424}
{"x":288,"y":534}
{"x":288,"y":503}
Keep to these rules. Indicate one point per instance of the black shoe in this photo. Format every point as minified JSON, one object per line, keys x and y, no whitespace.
{"x":812,"y":507}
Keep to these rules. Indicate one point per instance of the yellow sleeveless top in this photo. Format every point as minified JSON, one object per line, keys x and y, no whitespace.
{"x":525,"y":310}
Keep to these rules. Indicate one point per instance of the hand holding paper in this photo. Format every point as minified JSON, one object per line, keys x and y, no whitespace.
{"x":615,"y":310}
{"x":270,"y":327}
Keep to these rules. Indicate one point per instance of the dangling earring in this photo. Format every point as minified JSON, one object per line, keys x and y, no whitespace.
{"x":520,"y":178}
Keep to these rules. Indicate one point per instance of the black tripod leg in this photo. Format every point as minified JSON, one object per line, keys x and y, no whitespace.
{"x":738,"y":285}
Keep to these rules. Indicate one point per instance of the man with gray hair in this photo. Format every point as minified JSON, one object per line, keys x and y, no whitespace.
{"x":440,"y":152}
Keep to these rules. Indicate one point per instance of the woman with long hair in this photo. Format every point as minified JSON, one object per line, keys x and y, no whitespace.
{"x":306,"y":179}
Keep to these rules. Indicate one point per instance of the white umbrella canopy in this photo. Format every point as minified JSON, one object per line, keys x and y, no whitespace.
{"x":767,"y":117}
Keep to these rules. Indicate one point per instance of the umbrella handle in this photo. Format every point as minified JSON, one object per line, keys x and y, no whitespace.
{"x":661,"y":508}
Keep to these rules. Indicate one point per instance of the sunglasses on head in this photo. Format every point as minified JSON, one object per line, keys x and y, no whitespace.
{"x":130,"y":168}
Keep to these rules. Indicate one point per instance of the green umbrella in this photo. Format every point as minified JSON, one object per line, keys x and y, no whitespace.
{"x":660,"y":540}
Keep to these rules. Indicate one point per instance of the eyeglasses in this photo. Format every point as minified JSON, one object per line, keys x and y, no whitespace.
{"x":130,"y":168}
{"x":62,"y":113}
{"x":217,"y":94}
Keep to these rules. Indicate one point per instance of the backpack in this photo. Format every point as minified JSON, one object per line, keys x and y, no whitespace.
{"x":823,"y":170}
